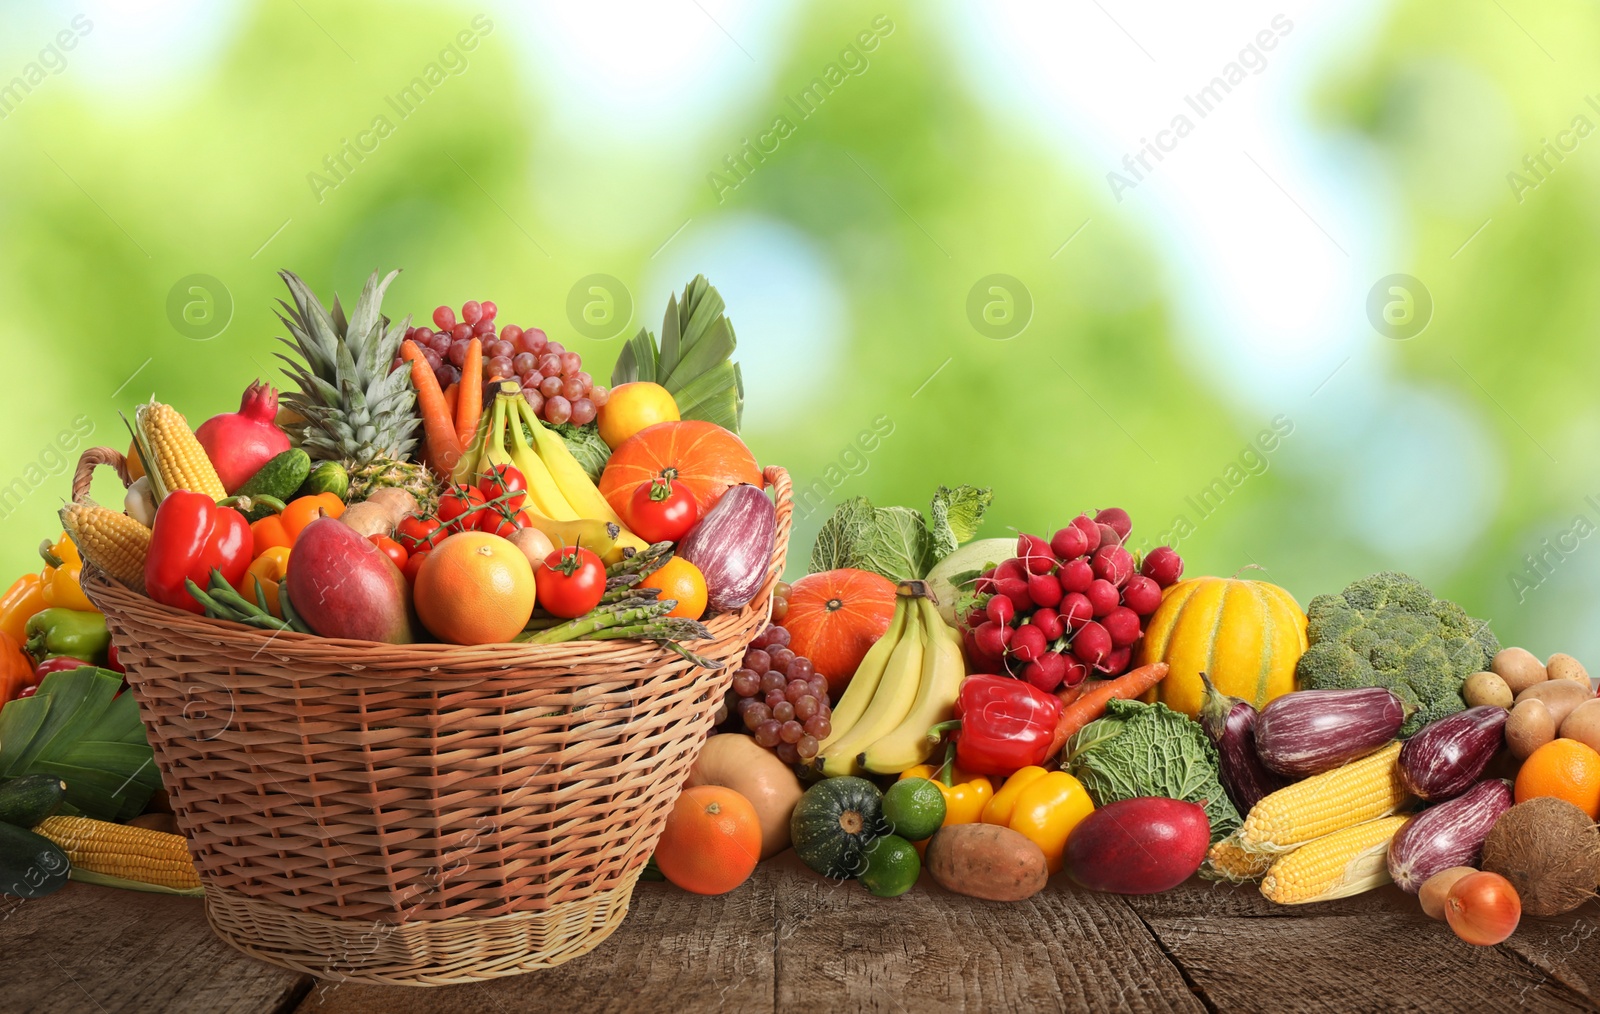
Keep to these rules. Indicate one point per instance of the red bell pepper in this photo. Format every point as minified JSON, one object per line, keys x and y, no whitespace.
{"x":63,"y":664}
{"x":191,"y":537}
{"x":1004,"y":725}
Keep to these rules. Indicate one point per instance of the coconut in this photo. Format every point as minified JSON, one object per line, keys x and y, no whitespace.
{"x":1549,"y":850}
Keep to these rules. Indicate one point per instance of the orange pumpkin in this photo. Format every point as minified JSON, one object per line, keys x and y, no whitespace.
{"x":835,"y":616}
{"x":16,"y":670}
{"x":1245,"y":635}
{"x":701,"y":455}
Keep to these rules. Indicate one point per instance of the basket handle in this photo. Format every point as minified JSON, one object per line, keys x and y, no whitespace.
{"x":92,"y":458}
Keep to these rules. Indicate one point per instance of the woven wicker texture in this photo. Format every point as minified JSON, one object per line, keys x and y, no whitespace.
{"x":419,"y":813}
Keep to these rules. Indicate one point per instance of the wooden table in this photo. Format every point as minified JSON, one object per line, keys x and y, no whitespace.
{"x":790,"y":941}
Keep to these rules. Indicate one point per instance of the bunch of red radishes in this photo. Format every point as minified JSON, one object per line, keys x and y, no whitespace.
{"x":1061,"y":609}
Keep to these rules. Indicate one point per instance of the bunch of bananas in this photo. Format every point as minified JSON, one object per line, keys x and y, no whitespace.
{"x":563,"y":502}
{"x":906,"y":684}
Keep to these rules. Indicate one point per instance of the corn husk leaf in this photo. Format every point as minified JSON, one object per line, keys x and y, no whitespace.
{"x":77,"y":728}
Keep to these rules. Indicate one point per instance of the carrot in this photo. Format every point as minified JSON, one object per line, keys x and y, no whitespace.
{"x":452,"y":398}
{"x":439,"y":428}
{"x":469,"y":408}
{"x":1090,"y":704}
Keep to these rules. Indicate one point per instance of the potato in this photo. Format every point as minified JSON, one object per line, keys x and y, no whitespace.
{"x":1486,"y":688}
{"x":986,"y":861}
{"x":369,"y":518}
{"x":1583,"y":724}
{"x":1565,"y":667}
{"x":1437,"y":887}
{"x":1528,"y":727}
{"x":1560,"y":696}
{"x":1519,"y":668}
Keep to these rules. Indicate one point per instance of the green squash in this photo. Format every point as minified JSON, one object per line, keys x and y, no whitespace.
{"x":835,"y":824}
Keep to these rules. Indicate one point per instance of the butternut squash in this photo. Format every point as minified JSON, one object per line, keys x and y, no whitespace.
{"x":736,"y":762}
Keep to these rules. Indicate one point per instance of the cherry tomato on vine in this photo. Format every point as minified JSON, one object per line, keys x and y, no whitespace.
{"x":505,"y":481}
{"x":492,"y":520}
{"x":459,"y":509}
{"x":570,"y":582}
{"x":417,"y":532}
{"x":390,"y":548}
{"x":663,"y":510}
{"x":414,"y":564}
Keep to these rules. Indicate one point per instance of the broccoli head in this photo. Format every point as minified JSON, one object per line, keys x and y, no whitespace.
{"x":1389,"y":631}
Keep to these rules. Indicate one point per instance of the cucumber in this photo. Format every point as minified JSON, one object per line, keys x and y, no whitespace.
{"x":279,"y":477}
{"x":327,"y":477}
{"x":31,"y":865}
{"x":27,"y":800}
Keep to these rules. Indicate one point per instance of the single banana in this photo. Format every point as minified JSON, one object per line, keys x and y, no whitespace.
{"x":543,"y":493}
{"x":896,"y":692}
{"x":943,"y":670}
{"x":570,"y":478}
{"x":848,"y":711}
{"x":476,"y":459}
{"x":599,"y":536}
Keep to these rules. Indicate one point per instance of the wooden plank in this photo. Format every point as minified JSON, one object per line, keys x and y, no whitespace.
{"x":1565,"y":948}
{"x":1336,"y":963}
{"x":90,"y":948}
{"x":676,"y":952}
{"x":1212,"y":899}
{"x":840,"y":948}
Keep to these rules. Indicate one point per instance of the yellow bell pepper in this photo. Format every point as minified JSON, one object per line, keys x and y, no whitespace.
{"x":18,"y":605}
{"x":267,"y":571}
{"x":1043,"y":806}
{"x":62,"y":577}
{"x":964,"y":795}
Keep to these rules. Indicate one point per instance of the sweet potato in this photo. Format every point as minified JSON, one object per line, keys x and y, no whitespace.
{"x":986,"y":861}
{"x":1560,"y":696}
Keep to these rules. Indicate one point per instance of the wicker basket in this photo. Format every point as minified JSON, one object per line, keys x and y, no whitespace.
{"x":419,"y":814}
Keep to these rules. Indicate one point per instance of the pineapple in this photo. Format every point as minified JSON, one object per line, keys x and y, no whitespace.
{"x":351,"y":408}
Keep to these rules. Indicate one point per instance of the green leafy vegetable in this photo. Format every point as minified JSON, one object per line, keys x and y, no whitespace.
{"x":586,"y":445}
{"x":1150,"y":750}
{"x":898,"y":542}
{"x":77,"y":728}
{"x":694,"y":360}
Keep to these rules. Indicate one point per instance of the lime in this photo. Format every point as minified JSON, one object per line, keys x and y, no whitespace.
{"x":892,"y":867}
{"x":914,"y":808}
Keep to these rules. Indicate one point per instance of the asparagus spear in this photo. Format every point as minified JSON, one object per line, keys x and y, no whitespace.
{"x":600,"y":619}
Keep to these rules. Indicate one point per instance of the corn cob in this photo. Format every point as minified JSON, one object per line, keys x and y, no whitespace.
{"x":1227,"y":861}
{"x":172,"y":454}
{"x":1336,"y":866}
{"x":119,"y":850}
{"x":1361,"y":790}
{"x":114,"y":542}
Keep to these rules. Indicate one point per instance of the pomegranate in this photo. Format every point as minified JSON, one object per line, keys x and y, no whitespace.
{"x":239,"y":443}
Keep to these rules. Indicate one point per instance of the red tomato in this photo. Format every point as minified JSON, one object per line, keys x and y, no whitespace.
{"x":663,"y":510}
{"x":113,"y":662}
{"x":505,"y":481}
{"x":392,"y":549}
{"x":459,"y":508}
{"x":491,"y":520}
{"x":416,"y":532}
{"x":1483,"y":908}
{"x":571,"y":582}
{"x":414,"y":564}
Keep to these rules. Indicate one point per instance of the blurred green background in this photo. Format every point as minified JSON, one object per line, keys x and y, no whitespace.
{"x":1086,"y":257}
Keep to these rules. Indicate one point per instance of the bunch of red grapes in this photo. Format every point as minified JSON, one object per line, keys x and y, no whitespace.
{"x":782,"y":699}
{"x":1061,"y":609}
{"x":552,"y":378}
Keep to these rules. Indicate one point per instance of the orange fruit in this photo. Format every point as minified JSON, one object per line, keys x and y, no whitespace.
{"x":632,"y":407}
{"x":474,"y":588}
{"x":1565,"y":769}
{"x":679,"y":579}
{"x":712,"y":840}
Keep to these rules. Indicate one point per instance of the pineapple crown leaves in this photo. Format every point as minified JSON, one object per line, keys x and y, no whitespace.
{"x":694,"y":359}
{"x":351,"y":404}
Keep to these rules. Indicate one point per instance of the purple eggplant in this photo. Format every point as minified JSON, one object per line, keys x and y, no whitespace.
{"x":1229,"y":723}
{"x":1447,"y":756}
{"x":1447,"y":834}
{"x":732,"y":545}
{"x":1311,"y":731}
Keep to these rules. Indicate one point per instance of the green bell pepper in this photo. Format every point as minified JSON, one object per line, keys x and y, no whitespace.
{"x":68,"y":633}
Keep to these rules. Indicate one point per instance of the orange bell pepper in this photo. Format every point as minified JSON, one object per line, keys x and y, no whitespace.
{"x":267,"y":572}
{"x":303,"y":511}
{"x":16,"y":668}
{"x":62,"y":578}
{"x":18,"y":605}
{"x":269,"y":533}
{"x":1043,"y":806}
